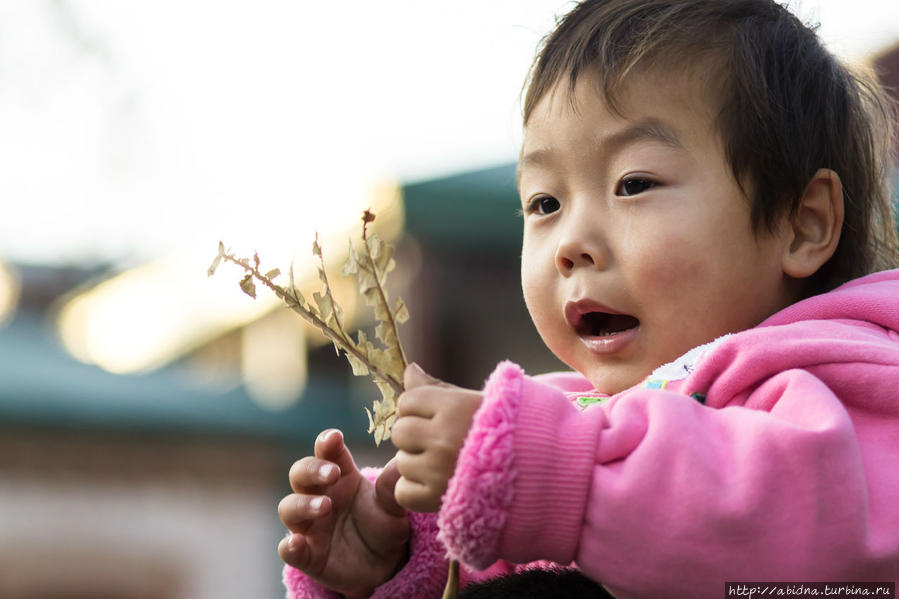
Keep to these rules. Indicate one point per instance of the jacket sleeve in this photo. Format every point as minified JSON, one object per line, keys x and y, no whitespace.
{"x":661,"y":496}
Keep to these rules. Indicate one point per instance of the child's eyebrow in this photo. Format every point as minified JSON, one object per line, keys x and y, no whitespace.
{"x":648,"y":129}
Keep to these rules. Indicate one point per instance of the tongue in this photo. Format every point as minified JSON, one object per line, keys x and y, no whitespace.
{"x":600,"y":323}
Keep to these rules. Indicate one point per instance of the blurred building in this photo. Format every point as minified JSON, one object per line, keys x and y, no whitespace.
{"x":156,"y":485}
{"x":164,"y":484}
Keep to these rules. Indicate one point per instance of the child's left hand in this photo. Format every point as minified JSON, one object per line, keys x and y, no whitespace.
{"x":432,"y":422}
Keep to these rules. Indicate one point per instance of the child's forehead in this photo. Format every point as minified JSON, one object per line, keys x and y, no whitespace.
{"x":667,"y":104}
{"x":691,"y":88}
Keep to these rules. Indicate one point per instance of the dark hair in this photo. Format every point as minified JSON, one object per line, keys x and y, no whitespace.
{"x":787,"y":106}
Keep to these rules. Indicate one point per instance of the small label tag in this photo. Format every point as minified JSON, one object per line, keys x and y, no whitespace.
{"x":589,"y":401}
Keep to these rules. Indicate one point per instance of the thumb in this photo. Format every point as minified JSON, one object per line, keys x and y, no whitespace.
{"x":414,"y":376}
{"x":384,"y":486}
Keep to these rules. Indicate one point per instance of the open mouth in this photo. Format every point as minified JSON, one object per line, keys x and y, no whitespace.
{"x":589,"y":319}
{"x":603,"y":324}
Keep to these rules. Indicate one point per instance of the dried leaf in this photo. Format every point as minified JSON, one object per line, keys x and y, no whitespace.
{"x":273,"y":273}
{"x":351,"y":266}
{"x":359,"y":367}
{"x":361,"y":269}
{"x":400,"y":312}
{"x":215,"y":264}
{"x":248,"y":286}
{"x":383,"y":416}
{"x":384,"y":333}
{"x":381,"y":255}
{"x":325,"y":306}
{"x":389,"y":361}
{"x":298,"y":296}
{"x":293,"y":288}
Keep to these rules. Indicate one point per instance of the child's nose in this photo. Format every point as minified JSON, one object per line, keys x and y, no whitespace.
{"x":567,"y":261}
{"x":579,"y":249}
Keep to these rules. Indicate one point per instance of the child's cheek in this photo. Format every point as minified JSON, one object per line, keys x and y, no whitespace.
{"x":667,"y":273}
{"x":661,"y":261}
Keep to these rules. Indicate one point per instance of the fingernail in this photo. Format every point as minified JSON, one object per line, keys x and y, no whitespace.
{"x":316,"y":503}
{"x":325,"y":471}
{"x":414,"y":367}
{"x":291,"y":542}
{"x":325,"y":435}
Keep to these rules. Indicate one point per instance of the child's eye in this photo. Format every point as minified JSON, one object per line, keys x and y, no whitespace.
{"x":543,"y":205}
{"x":631,"y":187}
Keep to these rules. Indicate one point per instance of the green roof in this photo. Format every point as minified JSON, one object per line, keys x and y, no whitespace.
{"x":475,"y":209}
{"x":41,"y":385}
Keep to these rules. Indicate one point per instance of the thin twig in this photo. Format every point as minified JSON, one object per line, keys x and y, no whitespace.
{"x":292,"y":302}
{"x":334,"y":305}
{"x":383,"y":296}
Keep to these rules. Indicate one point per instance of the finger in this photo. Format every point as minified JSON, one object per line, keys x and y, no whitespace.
{"x":312,"y":475}
{"x":414,"y":376}
{"x":384,"y":486}
{"x":410,"y":433}
{"x":294,"y":551}
{"x":432,"y":468}
{"x":426,"y":469}
{"x":298,"y":511}
{"x":416,"y":496}
{"x":422,"y":401}
{"x":330,"y":446}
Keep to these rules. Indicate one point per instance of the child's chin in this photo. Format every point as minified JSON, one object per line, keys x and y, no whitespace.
{"x":610,"y":380}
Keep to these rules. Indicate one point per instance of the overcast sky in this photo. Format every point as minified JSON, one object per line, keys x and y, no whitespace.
{"x":130,"y":129}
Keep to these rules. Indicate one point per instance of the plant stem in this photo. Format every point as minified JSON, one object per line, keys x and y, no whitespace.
{"x":383,"y":295}
{"x":294,"y":304}
{"x":340,"y":329}
{"x":452,"y":581}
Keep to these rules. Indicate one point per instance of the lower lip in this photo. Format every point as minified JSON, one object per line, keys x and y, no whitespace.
{"x":609,"y":344}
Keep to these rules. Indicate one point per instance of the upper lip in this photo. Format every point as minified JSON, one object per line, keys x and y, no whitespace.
{"x":575,"y":310}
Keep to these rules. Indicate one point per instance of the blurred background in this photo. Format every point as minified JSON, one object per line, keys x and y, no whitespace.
{"x":149,"y":413}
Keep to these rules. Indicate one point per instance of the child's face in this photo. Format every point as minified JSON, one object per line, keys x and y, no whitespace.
{"x":638,"y":244}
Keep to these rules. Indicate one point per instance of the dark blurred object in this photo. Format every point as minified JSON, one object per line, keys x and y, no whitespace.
{"x":537,"y":584}
{"x":886,"y":65}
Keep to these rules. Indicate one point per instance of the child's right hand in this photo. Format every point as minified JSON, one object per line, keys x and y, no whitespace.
{"x":347,"y":532}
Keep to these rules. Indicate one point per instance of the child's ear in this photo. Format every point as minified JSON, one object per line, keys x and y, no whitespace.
{"x":814,"y":229}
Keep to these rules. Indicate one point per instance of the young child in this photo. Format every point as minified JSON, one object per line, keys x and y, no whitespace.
{"x":704,"y":190}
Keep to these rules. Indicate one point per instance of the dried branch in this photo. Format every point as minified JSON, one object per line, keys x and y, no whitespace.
{"x":385,"y":363}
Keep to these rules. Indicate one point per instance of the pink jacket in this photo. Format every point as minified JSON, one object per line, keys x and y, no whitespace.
{"x":769,"y":455}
